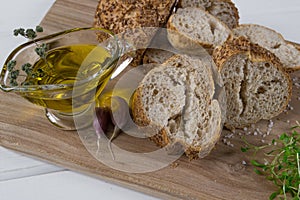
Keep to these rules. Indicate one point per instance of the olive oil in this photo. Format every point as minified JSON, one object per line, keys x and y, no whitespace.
{"x":64,"y":66}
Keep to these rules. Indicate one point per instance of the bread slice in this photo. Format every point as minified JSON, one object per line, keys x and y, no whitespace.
{"x":257,"y":87}
{"x":274,"y":42}
{"x":157,"y":56}
{"x":190,"y":28}
{"x":224,"y":10}
{"x":194,"y":3}
{"x":178,"y":98}
{"x":130,"y":17}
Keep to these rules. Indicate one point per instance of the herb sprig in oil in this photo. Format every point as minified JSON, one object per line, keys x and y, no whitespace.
{"x":40,"y":50}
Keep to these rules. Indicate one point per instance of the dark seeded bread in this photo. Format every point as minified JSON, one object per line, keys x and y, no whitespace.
{"x":257,"y":87}
{"x":224,"y":10}
{"x":274,"y":42}
{"x":177,"y":97}
{"x":128,"y":16}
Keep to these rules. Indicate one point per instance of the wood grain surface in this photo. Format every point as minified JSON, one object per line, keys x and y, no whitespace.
{"x":221,"y":175}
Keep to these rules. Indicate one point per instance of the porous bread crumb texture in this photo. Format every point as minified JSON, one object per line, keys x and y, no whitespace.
{"x":194,"y":3}
{"x":177,"y":96}
{"x":256,"y":85}
{"x":272,"y":41}
{"x":157,"y":56}
{"x":224,"y":10}
{"x":191,"y":27}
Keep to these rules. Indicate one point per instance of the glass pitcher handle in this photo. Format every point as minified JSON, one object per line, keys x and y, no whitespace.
{"x":127,"y":54}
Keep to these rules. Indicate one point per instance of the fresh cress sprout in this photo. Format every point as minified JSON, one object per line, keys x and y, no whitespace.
{"x":281,"y":164}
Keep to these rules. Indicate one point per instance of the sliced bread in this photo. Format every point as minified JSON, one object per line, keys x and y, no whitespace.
{"x":190,"y":28}
{"x":177,"y":97}
{"x":257,"y":87}
{"x":274,"y":42}
{"x":224,"y":10}
{"x":157,"y":56}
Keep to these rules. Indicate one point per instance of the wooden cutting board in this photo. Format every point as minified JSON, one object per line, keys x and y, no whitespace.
{"x":221,"y":175}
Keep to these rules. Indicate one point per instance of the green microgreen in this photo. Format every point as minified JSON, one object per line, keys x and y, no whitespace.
{"x":283,"y":164}
{"x":40,"y":50}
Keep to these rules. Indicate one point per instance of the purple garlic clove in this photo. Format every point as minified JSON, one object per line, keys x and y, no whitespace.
{"x":101,"y":120}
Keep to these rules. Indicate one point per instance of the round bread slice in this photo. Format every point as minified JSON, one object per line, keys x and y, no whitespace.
{"x":191,"y":27}
{"x":288,"y":54}
{"x":257,"y":87}
{"x":224,"y":10}
{"x":178,"y":98}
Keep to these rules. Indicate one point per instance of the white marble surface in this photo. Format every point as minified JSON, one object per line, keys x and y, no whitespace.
{"x":25,"y":178}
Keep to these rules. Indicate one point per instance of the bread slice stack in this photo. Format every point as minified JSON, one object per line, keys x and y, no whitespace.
{"x":254,"y":91}
{"x":178,"y":99}
{"x":222,"y":14}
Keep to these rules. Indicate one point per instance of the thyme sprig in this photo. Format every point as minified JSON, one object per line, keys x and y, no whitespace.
{"x":40,"y":50}
{"x":281,"y":164}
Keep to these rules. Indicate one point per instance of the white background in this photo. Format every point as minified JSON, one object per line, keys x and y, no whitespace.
{"x":23,"y":178}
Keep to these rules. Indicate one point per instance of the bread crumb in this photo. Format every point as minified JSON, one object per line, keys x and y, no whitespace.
{"x":174,"y":165}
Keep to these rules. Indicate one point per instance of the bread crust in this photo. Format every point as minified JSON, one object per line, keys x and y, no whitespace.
{"x":130,"y":16}
{"x":240,"y":45}
{"x":289,"y":69}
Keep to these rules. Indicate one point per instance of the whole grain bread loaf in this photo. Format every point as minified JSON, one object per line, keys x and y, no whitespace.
{"x":191,"y":27}
{"x":273,"y":41}
{"x":257,"y":87}
{"x":177,"y":98}
{"x":224,"y":10}
{"x":131,"y":16}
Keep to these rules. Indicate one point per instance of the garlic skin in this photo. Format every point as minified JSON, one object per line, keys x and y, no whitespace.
{"x":101,"y":120}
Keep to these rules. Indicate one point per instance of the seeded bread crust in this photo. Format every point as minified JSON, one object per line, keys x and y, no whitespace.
{"x":255,"y":53}
{"x":242,"y":45}
{"x":130,"y":16}
{"x":272,"y":41}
